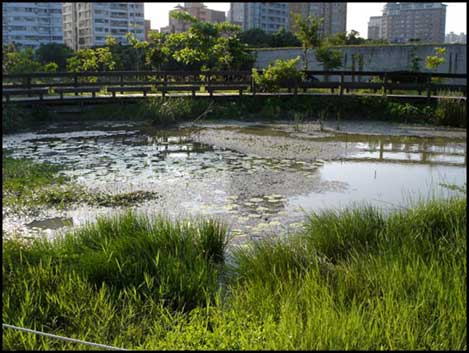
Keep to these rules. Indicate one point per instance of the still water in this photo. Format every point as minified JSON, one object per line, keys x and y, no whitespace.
{"x":254,"y":195}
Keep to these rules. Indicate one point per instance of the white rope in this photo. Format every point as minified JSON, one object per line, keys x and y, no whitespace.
{"x":64,"y":338}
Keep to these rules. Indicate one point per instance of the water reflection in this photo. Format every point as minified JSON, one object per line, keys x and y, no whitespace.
{"x":254,"y":195}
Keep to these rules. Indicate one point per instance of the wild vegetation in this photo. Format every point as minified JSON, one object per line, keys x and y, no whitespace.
{"x":354,"y":279}
{"x":28,"y":184}
{"x":277,"y":75}
{"x":160,"y":112}
{"x":446,"y":112}
{"x":450,"y":111}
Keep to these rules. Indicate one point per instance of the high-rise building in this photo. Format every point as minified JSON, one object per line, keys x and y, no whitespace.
{"x":175,"y":26}
{"x":201,"y":12}
{"x":452,"y":37}
{"x":268,"y":16}
{"x":87,"y":24}
{"x":406,"y":21}
{"x":30,"y":24}
{"x":334,"y":15}
{"x":374,"y":27}
{"x":195,"y":9}
{"x":147,"y":28}
{"x":236,"y":13}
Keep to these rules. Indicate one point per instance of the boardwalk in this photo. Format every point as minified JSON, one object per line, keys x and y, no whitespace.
{"x":105,"y":87}
{"x":67,"y":100}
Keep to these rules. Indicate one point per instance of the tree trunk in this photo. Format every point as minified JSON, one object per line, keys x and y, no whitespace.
{"x":305,"y":58}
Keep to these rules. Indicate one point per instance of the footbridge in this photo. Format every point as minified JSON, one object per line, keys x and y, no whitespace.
{"x":67,"y":88}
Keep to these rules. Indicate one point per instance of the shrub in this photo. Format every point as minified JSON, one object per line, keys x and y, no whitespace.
{"x":13,"y":117}
{"x":451,"y":112}
{"x":281,"y":73}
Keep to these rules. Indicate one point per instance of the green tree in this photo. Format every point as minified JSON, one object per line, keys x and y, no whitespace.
{"x":256,"y":38}
{"x":111,"y":41}
{"x":55,"y":53}
{"x":123,"y":55}
{"x":207,"y":45}
{"x":20,"y":61}
{"x":51,"y":67}
{"x":138,"y":50}
{"x":283,"y":38}
{"x":157,"y":53}
{"x":99,"y":59}
{"x":414,"y":61}
{"x":353,"y":38}
{"x":336,"y":39}
{"x":308,"y":34}
{"x":329,"y":58}
{"x":432,"y":62}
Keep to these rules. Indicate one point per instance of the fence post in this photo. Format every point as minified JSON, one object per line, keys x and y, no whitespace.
{"x":122,"y":82}
{"x":208,"y":84}
{"x":429,"y":84}
{"x":75,"y":79}
{"x":165,"y":83}
{"x":385,"y":82}
{"x":253,"y":86}
{"x":28,"y":83}
{"x":341,"y":92}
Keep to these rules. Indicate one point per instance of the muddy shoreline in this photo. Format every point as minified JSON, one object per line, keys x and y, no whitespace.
{"x":308,"y":141}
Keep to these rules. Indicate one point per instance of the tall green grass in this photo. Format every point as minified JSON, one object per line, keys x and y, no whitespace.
{"x":354,"y":279}
{"x":358,"y":281}
{"x":169,"y":111}
{"x":451,"y":112}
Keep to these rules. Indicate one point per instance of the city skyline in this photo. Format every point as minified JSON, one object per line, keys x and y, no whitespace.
{"x":358,"y":14}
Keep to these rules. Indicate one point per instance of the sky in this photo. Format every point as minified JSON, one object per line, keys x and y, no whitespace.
{"x":358,"y":14}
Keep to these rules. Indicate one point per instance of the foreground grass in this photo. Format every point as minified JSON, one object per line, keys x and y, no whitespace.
{"x":352,"y":280}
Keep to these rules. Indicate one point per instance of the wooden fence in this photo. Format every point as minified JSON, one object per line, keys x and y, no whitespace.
{"x":44,"y":84}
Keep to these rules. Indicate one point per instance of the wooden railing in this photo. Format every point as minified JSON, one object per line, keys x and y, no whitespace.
{"x":385,"y":82}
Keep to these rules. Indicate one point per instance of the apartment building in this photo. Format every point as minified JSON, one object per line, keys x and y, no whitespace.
{"x":374,"y":27}
{"x":268,"y":16}
{"x":196,"y":9}
{"x":87,"y":24}
{"x":334,"y":16}
{"x":175,"y":26}
{"x":147,"y":29}
{"x":452,"y":37}
{"x":30,"y":24}
{"x":201,"y":12}
{"x":236,"y":13}
{"x":271,"y":16}
{"x":423,"y":21}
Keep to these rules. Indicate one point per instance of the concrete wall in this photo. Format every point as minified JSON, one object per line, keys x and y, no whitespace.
{"x":375,"y":58}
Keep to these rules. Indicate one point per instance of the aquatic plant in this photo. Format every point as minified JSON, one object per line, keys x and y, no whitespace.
{"x":298,"y":118}
{"x":30,"y":184}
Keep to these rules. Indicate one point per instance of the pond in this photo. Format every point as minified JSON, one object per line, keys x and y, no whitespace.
{"x":260,"y":179}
